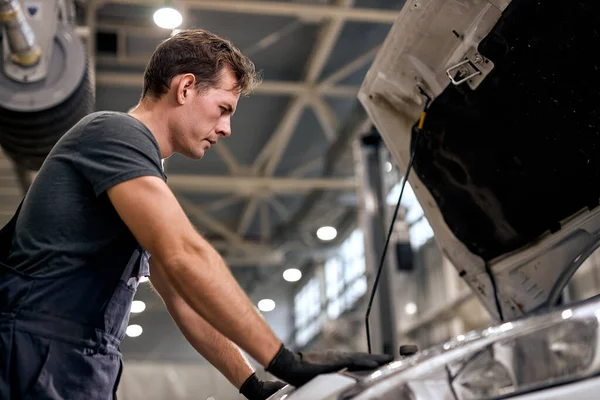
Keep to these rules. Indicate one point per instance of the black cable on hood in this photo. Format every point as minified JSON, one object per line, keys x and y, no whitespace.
{"x":389,"y":235}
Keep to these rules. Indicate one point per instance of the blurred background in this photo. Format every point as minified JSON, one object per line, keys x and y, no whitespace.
{"x":298,"y":200}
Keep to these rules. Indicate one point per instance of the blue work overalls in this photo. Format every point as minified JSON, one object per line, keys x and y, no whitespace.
{"x":59,"y":337}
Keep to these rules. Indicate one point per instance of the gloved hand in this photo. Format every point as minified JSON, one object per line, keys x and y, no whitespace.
{"x":256,"y":389}
{"x":299,"y":368}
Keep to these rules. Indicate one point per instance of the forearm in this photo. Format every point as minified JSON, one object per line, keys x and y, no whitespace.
{"x":212,"y":345}
{"x":205,"y":283}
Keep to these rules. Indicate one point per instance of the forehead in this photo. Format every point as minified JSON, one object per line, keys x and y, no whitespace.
{"x":227,"y":86}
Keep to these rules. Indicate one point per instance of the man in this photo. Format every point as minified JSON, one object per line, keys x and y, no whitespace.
{"x":99,"y":207}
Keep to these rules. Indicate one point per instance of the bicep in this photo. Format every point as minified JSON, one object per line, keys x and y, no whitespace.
{"x":153,"y":215}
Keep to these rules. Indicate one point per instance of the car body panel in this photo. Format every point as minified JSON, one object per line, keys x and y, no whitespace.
{"x":505,"y":159}
{"x":545,"y":350}
{"x":506,"y":170}
{"x":323,"y":387}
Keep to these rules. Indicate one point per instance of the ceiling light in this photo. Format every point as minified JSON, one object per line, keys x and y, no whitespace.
{"x":410,"y":308}
{"x":134,"y":330}
{"x":167,"y":18}
{"x":326,"y":233}
{"x":266,"y":305}
{"x":137,"y":306}
{"x":292,"y":275}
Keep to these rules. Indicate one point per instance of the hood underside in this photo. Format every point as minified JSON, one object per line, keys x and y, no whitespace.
{"x":512,"y":159}
{"x":506,"y":158}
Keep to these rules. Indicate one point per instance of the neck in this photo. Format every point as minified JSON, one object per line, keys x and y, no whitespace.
{"x":152,"y":114}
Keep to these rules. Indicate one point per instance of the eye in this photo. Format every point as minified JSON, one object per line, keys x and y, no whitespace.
{"x":223,"y":110}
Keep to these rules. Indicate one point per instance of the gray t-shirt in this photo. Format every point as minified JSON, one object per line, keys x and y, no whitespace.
{"x":67,"y":221}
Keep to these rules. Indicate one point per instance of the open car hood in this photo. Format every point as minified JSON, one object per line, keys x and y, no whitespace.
{"x":507,"y":165}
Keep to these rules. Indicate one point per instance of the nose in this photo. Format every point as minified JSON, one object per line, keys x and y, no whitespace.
{"x":223,"y":128}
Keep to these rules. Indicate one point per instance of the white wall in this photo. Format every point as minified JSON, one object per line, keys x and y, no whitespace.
{"x":432,"y":286}
{"x":161,"y":381}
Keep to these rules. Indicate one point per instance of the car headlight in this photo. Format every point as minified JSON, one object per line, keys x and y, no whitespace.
{"x":515,"y":357}
{"x":546,"y":356}
{"x":483,"y":377}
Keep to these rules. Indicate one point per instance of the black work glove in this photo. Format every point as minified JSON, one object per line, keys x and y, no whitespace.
{"x":256,"y":389}
{"x":299,"y":368}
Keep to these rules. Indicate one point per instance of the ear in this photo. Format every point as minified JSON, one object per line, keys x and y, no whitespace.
{"x":184,"y":87}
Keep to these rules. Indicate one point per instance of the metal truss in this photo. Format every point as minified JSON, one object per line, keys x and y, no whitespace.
{"x":306,"y":11}
{"x":254,"y":184}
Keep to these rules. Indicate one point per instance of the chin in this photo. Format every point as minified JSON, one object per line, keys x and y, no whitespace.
{"x":198,"y":154}
{"x":193,"y":154}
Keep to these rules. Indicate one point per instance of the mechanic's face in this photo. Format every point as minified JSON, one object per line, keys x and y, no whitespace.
{"x":207,"y":116}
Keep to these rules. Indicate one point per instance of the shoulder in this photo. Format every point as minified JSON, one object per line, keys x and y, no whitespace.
{"x":111,"y":128}
{"x":113,"y":147}
{"x":112,"y":118}
{"x":113,"y":123}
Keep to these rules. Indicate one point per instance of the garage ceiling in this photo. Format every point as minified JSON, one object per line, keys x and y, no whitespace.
{"x":313,"y":56}
{"x":287,"y":169}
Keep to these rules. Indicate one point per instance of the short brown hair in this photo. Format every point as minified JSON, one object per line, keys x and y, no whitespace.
{"x":201,"y":53}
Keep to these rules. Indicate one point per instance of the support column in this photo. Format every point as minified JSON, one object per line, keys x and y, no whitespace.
{"x":374,"y":220}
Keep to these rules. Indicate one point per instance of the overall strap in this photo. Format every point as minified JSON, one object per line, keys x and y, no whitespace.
{"x":132,"y":264}
{"x":7,"y":232}
{"x":137,"y":266}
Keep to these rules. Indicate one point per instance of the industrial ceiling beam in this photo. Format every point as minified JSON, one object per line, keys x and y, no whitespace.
{"x":272,"y":259}
{"x":265,"y":222}
{"x":236,"y":241}
{"x":222,"y":203}
{"x":254,"y":186}
{"x":326,"y":117}
{"x":245,"y":253}
{"x":307,"y":167}
{"x":128,"y":29}
{"x":281,"y":211}
{"x":267,"y":161}
{"x":136,"y":80}
{"x":223,"y":151}
{"x":349,"y":68}
{"x":259,"y":190}
{"x":247,"y":216}
{"x":279,"y":8}
{"x":328,"y":36}
{"x":270,"y":154}
{"x":91,"y":20}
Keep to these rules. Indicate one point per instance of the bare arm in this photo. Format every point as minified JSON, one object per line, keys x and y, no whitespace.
{"x":191,"y":266}
{"x":212,"y":345}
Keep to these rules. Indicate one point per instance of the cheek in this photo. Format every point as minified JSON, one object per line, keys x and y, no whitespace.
{"x":208,"y":121}
{"x":204,"y":115}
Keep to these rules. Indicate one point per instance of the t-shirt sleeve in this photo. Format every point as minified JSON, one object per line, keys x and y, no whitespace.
{"x":113,"y":149}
